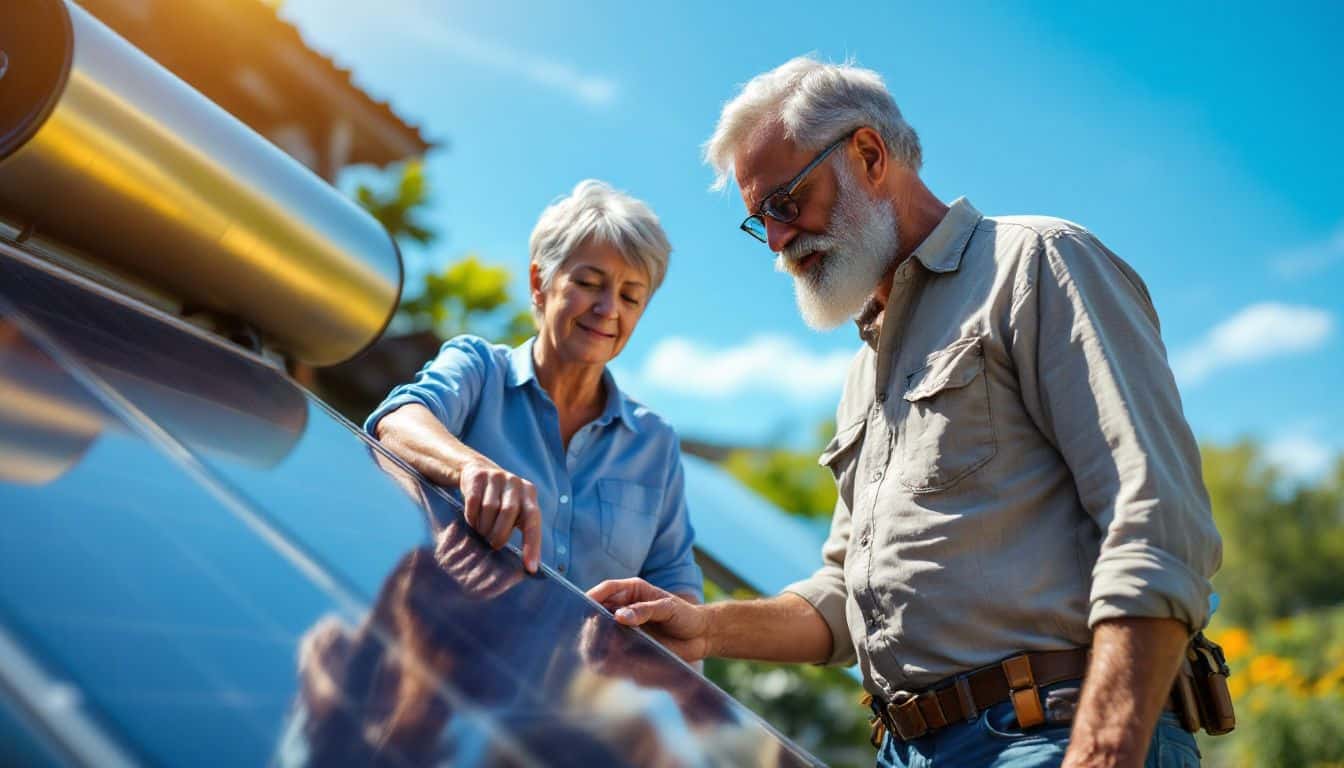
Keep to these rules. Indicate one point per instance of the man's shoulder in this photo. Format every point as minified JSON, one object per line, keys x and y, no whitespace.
{"x":1031,"y":229}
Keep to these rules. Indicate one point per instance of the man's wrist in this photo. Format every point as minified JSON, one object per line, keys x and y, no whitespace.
{"x":713,"y":643}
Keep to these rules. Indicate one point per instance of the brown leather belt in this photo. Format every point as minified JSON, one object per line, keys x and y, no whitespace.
{"x":961,"y":698}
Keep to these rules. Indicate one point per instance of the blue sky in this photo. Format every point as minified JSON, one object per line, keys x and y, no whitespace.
{"x":1204,"y":148}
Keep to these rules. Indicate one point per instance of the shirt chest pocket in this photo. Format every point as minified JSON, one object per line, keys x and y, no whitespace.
{"x":946,"y":432}
{"x":629,"y":516}
{"x":841,"y":457}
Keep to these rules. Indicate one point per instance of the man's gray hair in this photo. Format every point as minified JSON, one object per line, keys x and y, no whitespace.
{"x":817,"y":103}
{"x":596,"y":212}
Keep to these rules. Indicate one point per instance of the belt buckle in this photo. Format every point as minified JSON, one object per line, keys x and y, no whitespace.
{"x":906,"y":716}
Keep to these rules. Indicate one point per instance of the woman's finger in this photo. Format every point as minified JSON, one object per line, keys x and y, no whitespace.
{"x":509,"y":507}
{"x":529,"y":522}
{"x":494,"y":489}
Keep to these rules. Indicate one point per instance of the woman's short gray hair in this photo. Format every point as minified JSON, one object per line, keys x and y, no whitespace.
{"x":597,"y":212}
{"x":817,"y":103}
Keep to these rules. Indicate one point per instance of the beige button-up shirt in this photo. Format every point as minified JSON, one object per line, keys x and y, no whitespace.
{"x":1012,"y":458}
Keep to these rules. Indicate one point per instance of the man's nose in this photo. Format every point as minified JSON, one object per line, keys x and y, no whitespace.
{"x":778,"y":234}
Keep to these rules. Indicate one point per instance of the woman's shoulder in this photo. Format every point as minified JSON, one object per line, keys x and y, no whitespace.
{"x":648,"y":423}
{"x":477,"y":351}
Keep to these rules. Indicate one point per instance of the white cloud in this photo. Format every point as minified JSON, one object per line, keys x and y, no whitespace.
{"x":769,"y":363}
{"x":1310,"y":259}
{"x":593,"y":90}
{"x":1299,"y":456}
{"x":1258,"y":332}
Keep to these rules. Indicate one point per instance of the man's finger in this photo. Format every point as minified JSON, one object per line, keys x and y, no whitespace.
{"x":604,"y":593}
{"x":655,"y":612}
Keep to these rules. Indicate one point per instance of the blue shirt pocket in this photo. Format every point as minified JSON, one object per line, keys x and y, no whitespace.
{"x":629,"y":513}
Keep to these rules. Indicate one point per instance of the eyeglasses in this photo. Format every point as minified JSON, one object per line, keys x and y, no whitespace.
{"x":780,"y":205}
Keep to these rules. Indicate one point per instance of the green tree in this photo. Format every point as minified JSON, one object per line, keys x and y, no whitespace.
{"x":790,"y":479}
{"x":1282,"y":542}
{"x":466,"y":296}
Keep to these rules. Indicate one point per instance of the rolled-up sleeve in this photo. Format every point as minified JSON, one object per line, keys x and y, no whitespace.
{"x":449,"y":385}
{"x":1095,"y":377}
{"x":825,"y":589}
{"x":671,"y":564}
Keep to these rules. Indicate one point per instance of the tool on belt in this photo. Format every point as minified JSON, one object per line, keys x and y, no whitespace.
{"x":1200,"y":695}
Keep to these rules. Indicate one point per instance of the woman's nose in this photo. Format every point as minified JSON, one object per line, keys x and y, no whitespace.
{"x":605,"y":306}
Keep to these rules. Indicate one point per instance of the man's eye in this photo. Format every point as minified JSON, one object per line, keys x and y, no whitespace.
{"x":632,"y":300}
{"x":587,"y":284}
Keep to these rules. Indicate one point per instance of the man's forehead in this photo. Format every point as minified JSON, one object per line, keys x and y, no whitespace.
{"x":765,"y":160}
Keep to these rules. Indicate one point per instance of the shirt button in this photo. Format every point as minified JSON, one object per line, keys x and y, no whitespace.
{"x":863,"y":542}
{"x":560,"y":549}
{"x":564,"y":499}
{"x":877,"y":475}
{"x":560,"y":568}
{"x":881,"y":397}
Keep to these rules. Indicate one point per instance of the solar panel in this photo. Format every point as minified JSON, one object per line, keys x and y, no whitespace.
{"x":222,"y":571}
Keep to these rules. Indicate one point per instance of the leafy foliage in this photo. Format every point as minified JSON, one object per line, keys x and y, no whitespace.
{"x":791,"y":480}
{"x":468,"y":295}
{"x":399,"y":207}
{"x":1282,"y":546}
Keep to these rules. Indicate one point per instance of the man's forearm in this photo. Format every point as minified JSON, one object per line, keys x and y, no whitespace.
{"x":785,"y":628}
{"x":1134,"y":662}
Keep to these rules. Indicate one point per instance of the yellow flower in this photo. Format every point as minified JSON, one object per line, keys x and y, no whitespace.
{"x":1236,"y":642}
{"x":1268,"y":669}
{"x":1331,"y":682}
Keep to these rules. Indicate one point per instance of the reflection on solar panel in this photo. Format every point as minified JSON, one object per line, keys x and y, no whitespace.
{"x":208,"y":567}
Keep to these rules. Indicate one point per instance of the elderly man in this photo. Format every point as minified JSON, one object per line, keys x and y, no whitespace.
{"x":1022,"y":545}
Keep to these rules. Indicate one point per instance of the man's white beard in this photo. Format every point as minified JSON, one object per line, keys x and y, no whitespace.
{"x":858,"y":247}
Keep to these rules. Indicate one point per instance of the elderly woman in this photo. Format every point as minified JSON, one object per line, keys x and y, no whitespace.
{"x":539,"y":437}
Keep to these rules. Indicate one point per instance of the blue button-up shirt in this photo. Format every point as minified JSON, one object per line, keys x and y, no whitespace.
{"x":613,"y":505}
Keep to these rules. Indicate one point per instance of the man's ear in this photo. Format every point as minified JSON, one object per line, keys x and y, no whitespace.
{"x":873,"y":151}
{"x":534,"y":284}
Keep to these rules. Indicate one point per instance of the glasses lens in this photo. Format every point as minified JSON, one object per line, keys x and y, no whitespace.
{"x":755,"y":226}
{"x":780,"y":207}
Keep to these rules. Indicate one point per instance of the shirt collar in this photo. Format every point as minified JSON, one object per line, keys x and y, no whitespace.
{"x":941,"y":251}
{"x":522,"y":369}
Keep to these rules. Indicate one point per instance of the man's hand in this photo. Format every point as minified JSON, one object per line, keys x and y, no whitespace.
{"x":1134,"y":663}
{"x":682,"y":627}
{"x":495,"y":502}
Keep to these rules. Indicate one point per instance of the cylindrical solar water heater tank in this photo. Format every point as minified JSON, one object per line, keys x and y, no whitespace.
{"x":107,"y":152}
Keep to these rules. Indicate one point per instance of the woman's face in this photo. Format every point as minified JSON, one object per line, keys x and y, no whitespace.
{"x":593,"y":304}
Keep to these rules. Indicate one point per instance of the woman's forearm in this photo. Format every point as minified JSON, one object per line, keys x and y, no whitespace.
{"x":417,"y":437}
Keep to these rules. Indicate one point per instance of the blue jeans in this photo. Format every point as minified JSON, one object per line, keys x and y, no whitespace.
{"x":993,"y":739}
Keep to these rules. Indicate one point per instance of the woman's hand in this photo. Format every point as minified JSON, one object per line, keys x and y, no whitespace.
{"x":496,"y":501}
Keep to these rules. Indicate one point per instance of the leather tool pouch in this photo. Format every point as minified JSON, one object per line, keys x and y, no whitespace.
{"x":1201,"y":693}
